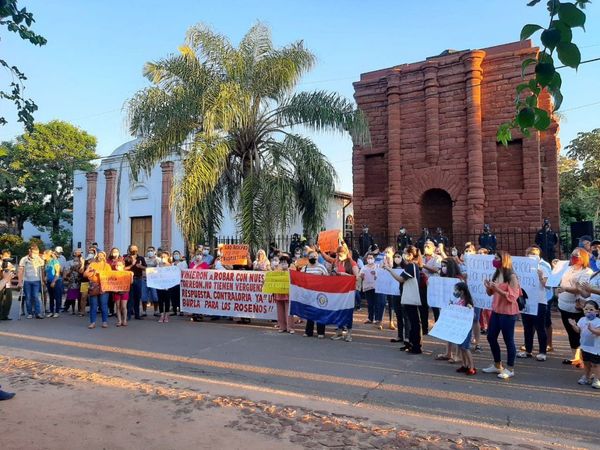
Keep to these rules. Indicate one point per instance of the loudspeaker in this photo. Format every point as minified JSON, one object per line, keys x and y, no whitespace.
{"x":579,"y":229}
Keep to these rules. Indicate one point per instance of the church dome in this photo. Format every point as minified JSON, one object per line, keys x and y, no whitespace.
{"x":125,"y":148}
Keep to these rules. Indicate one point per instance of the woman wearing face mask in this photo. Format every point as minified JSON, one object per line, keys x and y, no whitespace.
{"x":411,"y":297}
{"x":388,"y":260}
{"x":93,"y":272}
{"x":315,"y":268}
{"x":432,"y":264}
{"x":112,"y":259}
{"x":149,"y":295}
{"x":175,"y":292}
{"x":463,"y":298}
{"x":570,"y":293}
{"x":505,"y":289}
{"x":449,"y":269}
{"x":261,"y":262}
{"x":164,"y":295}
{"x":537,"y":323}
{"x":401,"y":319}
{"x":284,"y":320}
{"x":368,"y":276}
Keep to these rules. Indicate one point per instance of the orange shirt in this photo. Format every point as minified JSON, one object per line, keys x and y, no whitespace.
{"x":506,"y":305}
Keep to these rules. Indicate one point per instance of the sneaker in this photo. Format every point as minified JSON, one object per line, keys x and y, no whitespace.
{"x":348,"y":337}
{"x":492,"y":369}
{"x":55,"y":315}
{"x":291,"y":332}
{"x":585,"y":380}
{"x":281,"y":331}
{"x":39,"y":316}
{"x":6,"y":395}
{"x":307,"y":335}
{"x":29,"y":316}
{"x":320,"y":336}
{"x":166,"y":319}
{"x":49,"y":315}
{"x":160,"y":320}
{"x":337,"y":337}
{"x":596,"y":384}
{"x":524,"y":355}
{"x":541,"y":357}
{"x":506,"y":373}
{"x":368,"y":321}
{"x":478,"y":349}
{"x":472,"y":371}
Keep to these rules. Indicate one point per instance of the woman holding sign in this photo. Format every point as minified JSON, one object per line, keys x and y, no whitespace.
{"x":505,"y":289}
{"x":93,"y":272}
{"x":284,"y":320}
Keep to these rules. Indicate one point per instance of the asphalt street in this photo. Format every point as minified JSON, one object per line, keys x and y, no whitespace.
{"x":543,"y":400}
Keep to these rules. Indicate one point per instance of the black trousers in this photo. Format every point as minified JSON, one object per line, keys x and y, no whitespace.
{"x":164,"y":300}
{"x":414,"y":320}
{"x":424,"y":310}
{"x":401,"y":318}
{"x":310,"y":328}
{"x":175,"y":298}
{"x":573,"y":335}
{"x":535,"y":324}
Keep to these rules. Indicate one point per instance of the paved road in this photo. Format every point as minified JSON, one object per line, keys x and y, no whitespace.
{"x":543,"y":400}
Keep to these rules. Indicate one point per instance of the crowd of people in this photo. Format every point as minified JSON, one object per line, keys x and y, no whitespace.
{"x":44,"y":279}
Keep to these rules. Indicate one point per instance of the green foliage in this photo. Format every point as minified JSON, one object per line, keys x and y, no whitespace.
{"x":62,"y":238}
{"x":18,"y":21}
{"x":41,"y":165}
{"x":557,"y":42}
{"x":17,"y":246}
{"x":231,"y":115}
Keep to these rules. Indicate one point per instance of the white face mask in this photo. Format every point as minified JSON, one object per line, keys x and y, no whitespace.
{"x":90,"y":256}
{"x":176,"y":257}
{"x":370,"y":261}
{"x":205,"y":252}
{"x":150,"y":254}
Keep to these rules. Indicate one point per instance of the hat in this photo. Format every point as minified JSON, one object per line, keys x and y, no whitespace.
{"x":58,"y":249}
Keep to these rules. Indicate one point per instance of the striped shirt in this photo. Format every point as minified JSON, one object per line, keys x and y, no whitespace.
{"x":317,"y":269}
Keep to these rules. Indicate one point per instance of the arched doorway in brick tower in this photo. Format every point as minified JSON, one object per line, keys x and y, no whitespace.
{"x":436,"y":211}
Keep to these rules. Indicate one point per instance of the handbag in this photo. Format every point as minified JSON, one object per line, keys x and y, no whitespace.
{"x":522,"y":300}
{"x":94,"y":289}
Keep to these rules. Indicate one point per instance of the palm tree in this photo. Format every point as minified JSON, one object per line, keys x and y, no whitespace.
{"x":232,"y":116}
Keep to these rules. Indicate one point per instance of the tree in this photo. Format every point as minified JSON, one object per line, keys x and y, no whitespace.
{"x":231,"y":115}
{"x":556,"y":40}
{"x":18,"y":21}
{"x":42,"y":164}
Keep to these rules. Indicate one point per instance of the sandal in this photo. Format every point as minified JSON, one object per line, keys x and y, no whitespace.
{"x":91,"y":326}
{"x":451,"y":360}
{"x":442,"y":357}
{"x":119,"y":324}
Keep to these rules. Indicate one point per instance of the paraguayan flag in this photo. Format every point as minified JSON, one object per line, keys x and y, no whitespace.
{"x":324,"y":299}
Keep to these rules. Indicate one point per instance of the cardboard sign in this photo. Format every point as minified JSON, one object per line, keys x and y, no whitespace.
{"x":386,"y":284}
{"x":115,"y":281}
{"x":163,"y":277}
{"x":276,"y":283}
{"x":329,"y":240}
{"x":440,"y":290}
{"x":454,"y":323}
{"x":479,"y":269}
{"x":529,"y":280}
{"x":234,"y":254}
{"x":232,"y":293}
{"x":557,"y":273}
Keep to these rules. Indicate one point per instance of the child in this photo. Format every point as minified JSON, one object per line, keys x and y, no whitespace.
{"x":284,"y":320}
{"x":589,"y":329}
{"x":121,"y":298}
{"x":463,"y":298}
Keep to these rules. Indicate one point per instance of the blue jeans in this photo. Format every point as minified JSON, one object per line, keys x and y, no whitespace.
{"x":380,"y":301}
{"x":506,"y":324}
{"x":149,"y":294}
{"x":55,"y":295}
{"x":357,"y":299}
{"x":31,"y":291}
{"x":103,"y":307}
{"x":135,"y":295}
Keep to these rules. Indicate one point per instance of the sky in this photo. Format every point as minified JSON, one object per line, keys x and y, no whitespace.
{"x":96,"y":50}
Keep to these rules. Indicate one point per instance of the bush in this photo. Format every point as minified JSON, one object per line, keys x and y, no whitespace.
{"x":17,"y":246}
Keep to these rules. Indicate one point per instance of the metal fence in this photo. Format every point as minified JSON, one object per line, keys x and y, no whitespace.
{"x":513,"y":241}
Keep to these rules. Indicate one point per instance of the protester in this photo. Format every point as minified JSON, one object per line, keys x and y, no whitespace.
{"x":411,"y":298}
{"x":5,"y":281}
{"x":388,"y":259}
{"x":284,"y":320}
{"x":179,"y":261}
{"x":58,"y":251}
{"x":448,"y":269}
{"x":261,"y":262}
{"x":54,"y":283}
{"x":536,"y":324}
{"x":431,"y":267}
{"x":31,"y":279}
{"x":164,"y":296}
{"x":6,"y":294}
{"x":149,"y":295}
{"x":368,"y":276}
{"x":93,"y":273}
{"x":72,"y":280}
{"x":589,"y":329}
{"x":463,"y":298}
{"x":570,"y":302}
{"x":315,"y":268}
{"x":401,"y":319}
{"x":505,"y":289}
{"x":121,"y":298}
{"x":138,"y":266}
{"x":113,"y":257}
{"x":595,"y":258}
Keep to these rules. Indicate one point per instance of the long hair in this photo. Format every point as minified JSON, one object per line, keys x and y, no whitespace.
{"x":462,"y":287}
{"x":585,"y":257}
{"x":394,"y":265}
{"x":416,"y":255}
{"x":452,"y":268}
{"x":506,"y":269}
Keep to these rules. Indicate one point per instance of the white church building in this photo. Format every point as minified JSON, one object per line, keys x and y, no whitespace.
{"x":114,"y":211}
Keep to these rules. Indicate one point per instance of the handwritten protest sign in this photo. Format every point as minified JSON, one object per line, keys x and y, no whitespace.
{"x":557,"y":273}
{"x":454,"y":324}
{"x":115,"y":281}
{"x":385,"y":283}
{"x":276,"y":283}
{"x":479,"y":269}
{"x":163,"y":277}
{"x":234,"y":254}
{"x":329,"y":240}
{"x":527,"y":271}
{"x":439,"y":291}
{"x":229,"y":293}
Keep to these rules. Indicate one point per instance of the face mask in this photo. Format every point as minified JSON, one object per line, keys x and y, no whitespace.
{"x":595,"y":253}
{"x":312,"y":260}
{"x":297,"y":255}
{"x":428,"y":251}
{"x":342,"y":257}
{"x":370,"y":261}
{"x":115,"y":255}
{"x":497,"y":264}
{"x":198,"y":257}
{"x":590,"y":315}
{"x":176,"y":257}
{"x":397,"y":260}
{"x":284,"y":266}
{"x":456,"y":294}
{"x":454,"y":252}
{"x":274,"y":263}
{"x":205,"y":252}
{"x":444,"y":270}
{"x":575,"y":260}
{"x":150,"y":254}
{"x":90,"y":256}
